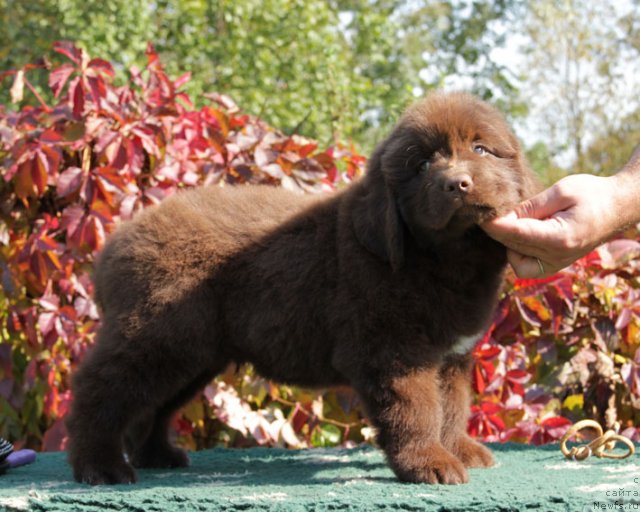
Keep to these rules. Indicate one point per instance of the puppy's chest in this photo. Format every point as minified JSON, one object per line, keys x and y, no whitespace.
{"x":456,"y":319}
{"x":454,"y":325}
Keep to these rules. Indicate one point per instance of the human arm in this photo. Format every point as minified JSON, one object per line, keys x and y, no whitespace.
{"x":569,"y":219}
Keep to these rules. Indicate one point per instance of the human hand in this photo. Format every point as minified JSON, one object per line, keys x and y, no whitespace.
{"x":556,"y":227}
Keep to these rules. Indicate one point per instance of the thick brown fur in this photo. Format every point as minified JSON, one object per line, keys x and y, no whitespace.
{"x":382,"y":286}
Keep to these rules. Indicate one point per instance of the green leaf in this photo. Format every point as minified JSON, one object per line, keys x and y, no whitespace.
{"x":325,"y":436}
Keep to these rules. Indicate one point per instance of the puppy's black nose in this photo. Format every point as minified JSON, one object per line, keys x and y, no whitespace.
{"x":460,"y":184}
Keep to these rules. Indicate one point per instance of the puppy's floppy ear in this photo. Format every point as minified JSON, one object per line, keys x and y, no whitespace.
{"x":531,"y":184}
{"x":375,"y":215}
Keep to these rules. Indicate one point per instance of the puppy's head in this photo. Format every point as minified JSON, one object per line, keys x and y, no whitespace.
{"x":450,"y":163}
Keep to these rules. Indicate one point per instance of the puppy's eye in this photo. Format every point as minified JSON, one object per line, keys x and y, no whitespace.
{"x":480,"y":150}
{"x":424,"y":166}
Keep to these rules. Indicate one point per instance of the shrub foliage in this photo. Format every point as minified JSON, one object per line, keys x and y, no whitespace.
{"x":558,"y":350}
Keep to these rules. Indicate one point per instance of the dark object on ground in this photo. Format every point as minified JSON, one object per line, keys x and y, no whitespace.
{"x":5,"y":449}
{"x":385,"y":286}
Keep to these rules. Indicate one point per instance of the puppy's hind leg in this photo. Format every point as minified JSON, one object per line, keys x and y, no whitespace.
{"x":455,"y":376}
{"x":120,"y":383}
{"x":407,"y":411}
{"x":147,"y":440}
{"x":107,"y":394}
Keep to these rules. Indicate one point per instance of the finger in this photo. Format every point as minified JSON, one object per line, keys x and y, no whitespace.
{"x":529,"y":236}
{"x":532,"y":268}
{"x":544,"y":204}
{"x":525,"y":267}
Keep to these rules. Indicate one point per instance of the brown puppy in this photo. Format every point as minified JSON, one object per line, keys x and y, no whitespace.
{"x":384,"y":286}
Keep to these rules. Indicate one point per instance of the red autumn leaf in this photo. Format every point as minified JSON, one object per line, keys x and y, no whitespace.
{"x":39,"y":173}
{"x":39,"y":271}
{"x":183,"y":427}
{"x":110,"y":179}
{"x":549,"y":430}
{"x":23,"y":180}
{"x":45,"y":243}
{"x":181,"y":80}
{"x":93,"y":233}
{"x":184,"y":98}
{"x":71,"y":219}
{"x":531,"y":283}
{"x":589,"y":260}
{"x":479,"y":379}
{"x":616,"y":253}
{"x":228,"y":105}
{"x":623,"y":319}
{"x":98,"y":89}
{"x":58,"y":78}
{"x":486,"y":351}
{"x":308,"y":169}
{"x":68,"y":49}
{"x":307,"y":149}
{"x":518,"y":376}
{"x":484,"y":373}
{"x":526,"y":311}
{"x":105,"y":137}
{"x":152,"y":56}
{"x":485,"y":421}
{"x":555,"y":422}
{"x":69,"y":181}
{"x":116,"y":152}
{"x":102,"y":66}
{"x":77,"y":95}
{"x":148,"y":139}
{"x":299,"y":418}
{"x":50,"y":136}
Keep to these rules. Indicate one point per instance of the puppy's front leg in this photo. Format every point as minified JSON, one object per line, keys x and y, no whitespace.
{"x":407,"y":411}
{"x":455,"y":375}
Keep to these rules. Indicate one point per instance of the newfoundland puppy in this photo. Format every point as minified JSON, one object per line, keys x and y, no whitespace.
{"x":384,"y":286}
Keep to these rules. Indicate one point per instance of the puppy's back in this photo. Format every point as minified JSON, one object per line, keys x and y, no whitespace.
{"x":167,"y":249}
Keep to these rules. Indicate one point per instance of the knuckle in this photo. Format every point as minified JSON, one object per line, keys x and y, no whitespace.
{"x":565,"y":190}
{"x":570,"y":243}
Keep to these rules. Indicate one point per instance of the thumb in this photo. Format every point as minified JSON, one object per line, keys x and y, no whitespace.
{"x":540,"y":206}
{"x":543,"y":205}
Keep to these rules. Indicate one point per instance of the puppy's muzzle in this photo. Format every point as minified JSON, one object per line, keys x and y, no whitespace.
{"x":458,"y":186}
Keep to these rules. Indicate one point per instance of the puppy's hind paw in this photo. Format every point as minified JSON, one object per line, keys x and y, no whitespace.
{"x":100,"y":474}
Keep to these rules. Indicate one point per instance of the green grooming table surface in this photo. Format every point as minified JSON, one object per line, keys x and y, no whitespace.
{"x":524,"y":478}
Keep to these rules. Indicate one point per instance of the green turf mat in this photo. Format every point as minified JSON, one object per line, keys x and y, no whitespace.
{"x":525,"y":478}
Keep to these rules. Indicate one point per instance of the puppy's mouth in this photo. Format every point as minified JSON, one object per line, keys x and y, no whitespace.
{"x":459,"y":213}
{"x":479,"y":211}
{"x":475,"y":213}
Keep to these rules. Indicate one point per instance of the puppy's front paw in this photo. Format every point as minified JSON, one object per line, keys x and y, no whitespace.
{"x":100,"y":474}
{"x":434,"y":465}
{"x":472,"y":453}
